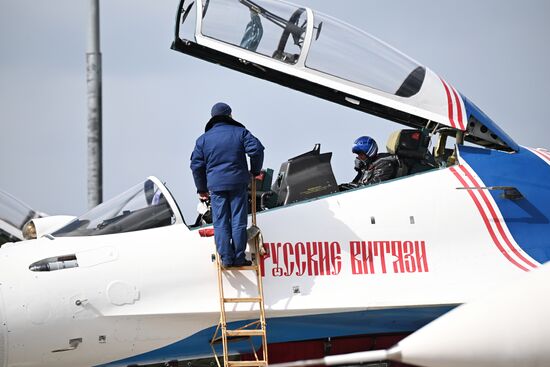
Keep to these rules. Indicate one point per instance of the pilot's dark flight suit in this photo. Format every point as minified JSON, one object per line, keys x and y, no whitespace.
{"x":383,"y":168}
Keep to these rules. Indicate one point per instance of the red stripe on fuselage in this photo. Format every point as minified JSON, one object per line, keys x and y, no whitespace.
{"x":458,"y":108}
{"x":497,"y":220}
{"x":449,"y":103}
{"x":542,"y":154}
{"x":545,"y":154}
{"x":486,"y":221}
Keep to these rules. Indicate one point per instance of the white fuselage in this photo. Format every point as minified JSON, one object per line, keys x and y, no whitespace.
{"x":424,"y":244}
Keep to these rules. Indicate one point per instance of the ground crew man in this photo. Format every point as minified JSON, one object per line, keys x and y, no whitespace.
{"x":221,"y":173}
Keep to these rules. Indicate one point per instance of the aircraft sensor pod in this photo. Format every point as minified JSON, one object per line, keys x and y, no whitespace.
{"x":55,"y":263}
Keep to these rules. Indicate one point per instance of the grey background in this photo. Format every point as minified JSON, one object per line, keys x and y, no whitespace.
{"x":156,"y":101}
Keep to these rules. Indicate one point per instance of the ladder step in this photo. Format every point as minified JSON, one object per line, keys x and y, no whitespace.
{"x":231,"y":268}
{"x":246,"y":363}
{"x":255,"y":332}
{"x":230,"y":339}
{"x":242,"y":300}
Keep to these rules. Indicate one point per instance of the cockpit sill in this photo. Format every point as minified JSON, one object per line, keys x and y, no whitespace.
{"x":477,"y":127}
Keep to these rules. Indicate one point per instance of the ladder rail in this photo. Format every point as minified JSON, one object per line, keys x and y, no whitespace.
{"x":223,"y":322}
{"x":259,"y":273}
{"x":253,"y":203}
{"x":262,"y":308}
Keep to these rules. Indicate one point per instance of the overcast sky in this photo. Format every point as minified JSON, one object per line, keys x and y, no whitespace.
{"x":156,"y":101}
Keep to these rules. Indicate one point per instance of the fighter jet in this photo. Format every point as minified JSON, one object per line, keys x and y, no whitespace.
{"x":131,"y":283}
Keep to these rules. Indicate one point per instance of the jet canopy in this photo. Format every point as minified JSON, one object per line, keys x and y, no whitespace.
{"x":314,"y":53}
{"x":147,"y":205}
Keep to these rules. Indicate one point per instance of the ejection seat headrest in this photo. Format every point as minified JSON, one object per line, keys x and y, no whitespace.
{"x":393,"y":142}
{"x":410,"y":143}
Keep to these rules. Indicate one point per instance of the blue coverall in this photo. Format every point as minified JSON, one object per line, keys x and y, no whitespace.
{"x":219,"y":166}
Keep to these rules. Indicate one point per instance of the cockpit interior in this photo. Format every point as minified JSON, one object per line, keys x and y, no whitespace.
{"x":309,"y":176}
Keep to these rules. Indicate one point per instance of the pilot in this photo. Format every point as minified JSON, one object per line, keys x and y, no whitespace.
{"x":371,"y":166}
{"x":221,"y":173}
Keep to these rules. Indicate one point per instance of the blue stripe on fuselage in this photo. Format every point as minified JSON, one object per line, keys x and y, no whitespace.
{"x":527,"y":218}
{"x":285,"y":329}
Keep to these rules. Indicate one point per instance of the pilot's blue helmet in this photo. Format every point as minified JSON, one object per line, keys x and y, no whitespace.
{"x":365,"y":144}
{"x":221,"y":109}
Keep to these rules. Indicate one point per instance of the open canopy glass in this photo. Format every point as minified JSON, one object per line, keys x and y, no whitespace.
{"x":278,"y":30}
{"x":349,"y":53}
{"x":273,"y":30}
{"x":314,"y":53}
